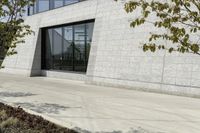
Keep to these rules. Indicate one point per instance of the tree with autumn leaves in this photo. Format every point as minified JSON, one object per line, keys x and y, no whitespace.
{"x":179,"y":18}
{"x":12,"y":27}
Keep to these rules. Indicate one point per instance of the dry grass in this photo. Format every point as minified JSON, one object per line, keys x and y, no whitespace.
{"x":3,"y":115}
{"x":9,"y":122}
{"x":16,"y":120}
{"x":6,"y":121}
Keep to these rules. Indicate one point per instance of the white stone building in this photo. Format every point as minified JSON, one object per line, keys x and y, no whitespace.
{"x":91,"y":40}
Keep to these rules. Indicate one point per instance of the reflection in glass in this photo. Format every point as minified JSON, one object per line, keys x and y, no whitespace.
{"x":67,"y":48}
{"x":57,"y":48}
{"x":48,"y":50}
{"x":89,"y":33}
{"x":58,"y":3}
{"x":79,"y":49}
{"x":43,"y":5}
{"x":67,"y":2}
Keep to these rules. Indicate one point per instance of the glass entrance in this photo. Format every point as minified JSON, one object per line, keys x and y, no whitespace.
{"x":79,"y":47}
{"x":67,"y":48}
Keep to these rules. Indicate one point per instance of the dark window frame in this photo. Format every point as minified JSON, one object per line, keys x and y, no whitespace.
{"x":51,"y":6}
{"x":43,"y":45}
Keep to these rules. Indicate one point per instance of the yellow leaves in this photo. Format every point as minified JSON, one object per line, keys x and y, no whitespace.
{"x":180,"y":18}
{"x":12,"y":30}
{"x":195,"y":48}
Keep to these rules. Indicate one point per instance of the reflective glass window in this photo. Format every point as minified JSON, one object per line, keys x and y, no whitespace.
{"x":31,"y":10}
{"x":79,"y":49}
{"x":58,"y":3}
{"x":49,"y":49}
{"x":89,"y":34}
{"x":67,"y":2}
{"x":67,"y":47}
{"x":43,"y":5}
{"x":57,"y":48}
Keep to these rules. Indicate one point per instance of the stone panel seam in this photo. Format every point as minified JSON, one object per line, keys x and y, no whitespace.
{"x":143,"y":81}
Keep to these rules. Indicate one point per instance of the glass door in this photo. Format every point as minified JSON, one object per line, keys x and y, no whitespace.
{"x":67,"y":62}
{"x":57,"y":48}
{"x":67,"y":47}
{"x":79,"y":47}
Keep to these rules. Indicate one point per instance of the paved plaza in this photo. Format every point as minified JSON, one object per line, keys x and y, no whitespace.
{"x":90,"y":109}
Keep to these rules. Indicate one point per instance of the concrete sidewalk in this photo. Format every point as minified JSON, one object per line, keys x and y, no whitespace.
{"x":92,"y":109}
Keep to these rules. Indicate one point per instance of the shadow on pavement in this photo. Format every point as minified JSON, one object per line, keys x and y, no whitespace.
{"x":48,"y":108}
{"x":132,"y":130}
{"x":15,"y":94}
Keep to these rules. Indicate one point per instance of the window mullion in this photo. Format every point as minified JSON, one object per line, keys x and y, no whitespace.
{"x":51,"y":4}
{"x":73,"y":45}
{"x":85,"y":45}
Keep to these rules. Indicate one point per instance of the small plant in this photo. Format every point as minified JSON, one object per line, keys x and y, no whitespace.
{"x":16,"y":120}
{"x":9,"y":122}
{"x":12,"y":27}
{"x":178,"y":19}
{"x":3,"y":115}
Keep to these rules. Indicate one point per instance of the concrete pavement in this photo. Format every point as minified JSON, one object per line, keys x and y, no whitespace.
{"x":91,"y":109}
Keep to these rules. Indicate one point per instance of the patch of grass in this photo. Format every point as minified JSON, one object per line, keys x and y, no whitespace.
{"x":3,"y":115}
{"x":16,"y":120}
{"x":9,"y":122}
